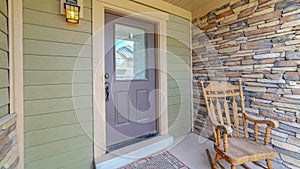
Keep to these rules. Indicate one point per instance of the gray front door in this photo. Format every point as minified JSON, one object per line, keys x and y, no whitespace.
{"x":129,"y":78}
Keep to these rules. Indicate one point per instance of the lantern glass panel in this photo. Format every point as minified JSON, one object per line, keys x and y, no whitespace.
{"x":72,"y":13}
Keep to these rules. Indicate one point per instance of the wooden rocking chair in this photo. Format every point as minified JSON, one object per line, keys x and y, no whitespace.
{"x":221,"y":101}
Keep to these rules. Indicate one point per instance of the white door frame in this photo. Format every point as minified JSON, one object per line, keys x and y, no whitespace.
{"x":139,"y":11}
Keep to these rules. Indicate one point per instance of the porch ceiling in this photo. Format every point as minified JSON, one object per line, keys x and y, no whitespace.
{"x":190,"y":5}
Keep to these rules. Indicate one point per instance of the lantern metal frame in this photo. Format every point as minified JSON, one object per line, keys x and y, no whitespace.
{"x":72,"y":11}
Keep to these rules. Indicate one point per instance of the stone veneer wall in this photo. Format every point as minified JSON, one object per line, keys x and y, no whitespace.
{"x":8,"y":142}
{"x":258,"y":41}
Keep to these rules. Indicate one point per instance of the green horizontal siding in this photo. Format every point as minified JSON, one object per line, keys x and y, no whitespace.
{"x":38,"y":17}
{"x":4,"y":59}
{"x":56,"y":35}
{"x":50,"y":48}
{"x":4,"y":23}
{"x":179,"y":76}
{"x":179,"y":99}
{"x":56,"y":77}
{"x":3,"y":7}
{"x":65,"y":159}
{"x":4,"y":41}
{"x":4,"y":82}
{"x":63,"y":118}
{"x":49,"y":135}
{"x":57,"y":91}
{"x":58,"y":63}
{"x":173,"y":84}
{"x":4,"y":97}
{"x":80,"y":164}
{"x":174,"y":92}
{"x":44,"y":106}
{"x":179,"y":59}
{"x":57,"y":87}
{"x":176,"y":26}
{"x":55,"y":148}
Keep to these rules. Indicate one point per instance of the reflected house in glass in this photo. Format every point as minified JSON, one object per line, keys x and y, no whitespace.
{"x":124,"y":59}
{"x":130,"y":43}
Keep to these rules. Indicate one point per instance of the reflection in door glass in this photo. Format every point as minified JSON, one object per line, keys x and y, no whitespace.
{"x":130,"y":53}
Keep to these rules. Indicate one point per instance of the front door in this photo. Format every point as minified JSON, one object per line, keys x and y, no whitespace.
{"x":129,"y":79}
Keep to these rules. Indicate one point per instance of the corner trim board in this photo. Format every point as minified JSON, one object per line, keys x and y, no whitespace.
{"x":16,"y":71}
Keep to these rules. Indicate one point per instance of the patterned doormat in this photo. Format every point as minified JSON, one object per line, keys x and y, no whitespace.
{"x":162,"y":160}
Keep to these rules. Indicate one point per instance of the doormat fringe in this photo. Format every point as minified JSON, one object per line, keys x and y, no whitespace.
{"x":162,"y":160}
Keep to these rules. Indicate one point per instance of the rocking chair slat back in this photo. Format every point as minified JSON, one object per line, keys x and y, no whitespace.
{"x":219,"y":110}
{"x":212,"y":109}
{"x":235,"y":116}
{"x":226,"y":110}
{"x":223,"y":101}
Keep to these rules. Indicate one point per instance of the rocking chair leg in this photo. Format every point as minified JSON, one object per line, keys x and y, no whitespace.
{"x":217,"y":158}
{"x":233,"y":167}
{"x":209,"y":159}
{"x":269,"y":163}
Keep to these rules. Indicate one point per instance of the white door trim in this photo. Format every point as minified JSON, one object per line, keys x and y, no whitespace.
{"x":98,"y":23}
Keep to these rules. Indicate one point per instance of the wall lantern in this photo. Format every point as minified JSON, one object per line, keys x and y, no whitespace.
{"x":72,"y":11}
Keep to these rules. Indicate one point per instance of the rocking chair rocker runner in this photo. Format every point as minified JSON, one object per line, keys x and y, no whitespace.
{"x":221,"y":101}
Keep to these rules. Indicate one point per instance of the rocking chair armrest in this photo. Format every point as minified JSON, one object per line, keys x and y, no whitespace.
{"x":271,"y":123}
{"x":227,"y":129}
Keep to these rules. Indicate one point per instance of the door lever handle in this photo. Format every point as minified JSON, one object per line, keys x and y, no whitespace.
{"x":107,"y":91}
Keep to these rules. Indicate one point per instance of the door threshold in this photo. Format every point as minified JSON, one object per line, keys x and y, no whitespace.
{"x":130,"y":142}
{"x":132,"y":153}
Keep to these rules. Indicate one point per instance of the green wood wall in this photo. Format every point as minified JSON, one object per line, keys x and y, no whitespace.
{"x":58,"y":100}
{"x":4,"y":60}
{"x":179,"y":76}
{"x":57,"y":87}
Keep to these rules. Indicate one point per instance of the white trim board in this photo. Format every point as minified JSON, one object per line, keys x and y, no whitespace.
{"x":16,"y":72}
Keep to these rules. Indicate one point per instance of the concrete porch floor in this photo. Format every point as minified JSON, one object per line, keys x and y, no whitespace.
{"x":191,"y":151}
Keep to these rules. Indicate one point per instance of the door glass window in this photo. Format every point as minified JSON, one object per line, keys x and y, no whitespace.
{"x":130,"y":53}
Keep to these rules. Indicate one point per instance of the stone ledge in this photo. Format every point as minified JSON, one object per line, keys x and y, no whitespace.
{"x":7,"y":121}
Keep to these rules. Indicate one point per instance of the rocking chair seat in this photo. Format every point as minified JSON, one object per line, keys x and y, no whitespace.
{"x":242,"y":150}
